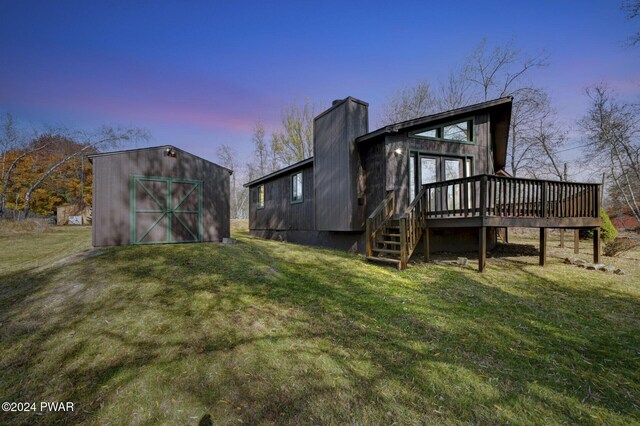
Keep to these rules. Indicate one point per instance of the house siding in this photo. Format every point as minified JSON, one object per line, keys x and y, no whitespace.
{"x":337,"y":165}
{"x":278,"y":212}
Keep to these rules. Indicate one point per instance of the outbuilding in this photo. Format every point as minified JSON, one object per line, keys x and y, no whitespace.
{"x":158,"y":195}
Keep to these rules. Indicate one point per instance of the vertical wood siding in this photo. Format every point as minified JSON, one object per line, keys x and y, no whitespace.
{"x":337,"y":166}
{"x":111,"y":191}
{"x":278,"y":212}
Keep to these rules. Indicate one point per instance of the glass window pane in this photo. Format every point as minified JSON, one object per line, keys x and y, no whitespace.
{"x":452,"y":169}
{"x":412,"y":178}
{"x":296,"y":187}
{"x":260,"y":196}
{"x":456,"y":132}
{"x":428,"y":134}
{"x":427,"y":170}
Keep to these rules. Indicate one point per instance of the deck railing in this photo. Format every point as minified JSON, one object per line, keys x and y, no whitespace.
{"x":378,"y":217}
{"x":500,"y":196}
{"x":412,"y":225}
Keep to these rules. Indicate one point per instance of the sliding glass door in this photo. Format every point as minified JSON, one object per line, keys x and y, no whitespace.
{"x":426,"y":169}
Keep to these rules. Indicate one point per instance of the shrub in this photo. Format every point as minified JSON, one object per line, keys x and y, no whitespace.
{"x":619,"y":245}
{"x":608,"y":232}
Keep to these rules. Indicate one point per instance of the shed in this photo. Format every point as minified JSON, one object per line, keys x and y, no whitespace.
{"x":158,"y":195}
{"x":73,"y":214}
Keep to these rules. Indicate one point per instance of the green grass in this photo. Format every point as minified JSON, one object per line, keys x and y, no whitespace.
{"x":269,"y":332}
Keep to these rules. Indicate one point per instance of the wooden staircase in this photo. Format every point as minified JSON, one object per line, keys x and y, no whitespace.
{"x":387,"y":245}
{"x":392,"y":240}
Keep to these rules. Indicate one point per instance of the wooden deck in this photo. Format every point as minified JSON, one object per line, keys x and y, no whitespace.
{"x":489,"y":201}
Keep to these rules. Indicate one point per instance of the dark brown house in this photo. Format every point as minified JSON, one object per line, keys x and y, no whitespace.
{"x":438,"y":179}
{"x":158,"y":195}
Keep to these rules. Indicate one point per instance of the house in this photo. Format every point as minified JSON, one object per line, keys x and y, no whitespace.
{"x":437,"y":179}
{"x":158,"y":195}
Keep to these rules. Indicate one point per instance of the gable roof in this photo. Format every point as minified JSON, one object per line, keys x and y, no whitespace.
{"x":288,"y":169}
{"x":127,"y":151}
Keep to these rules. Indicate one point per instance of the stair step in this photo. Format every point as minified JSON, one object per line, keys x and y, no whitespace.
{"x":384,"y":234}
{"x":379,"y":250}
{"x":397,"y":243}
{"x":385,"y":260}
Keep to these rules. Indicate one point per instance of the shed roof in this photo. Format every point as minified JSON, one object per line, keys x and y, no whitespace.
{"x":288,"y":169}
{"x":499,"y":109}
{"x":128,"y":151}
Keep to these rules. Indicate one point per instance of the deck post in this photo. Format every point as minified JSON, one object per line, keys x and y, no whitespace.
{"x":506,"y":235}
{"x":543,"y":246}
{"x":562,"y":238}
{"x":369,"y":248}
{"x":576,"y":241}
{"x":403,"y":244}
{"x":596,"y":245}
{"x":425,"y":242}
{"x":482,"y":249}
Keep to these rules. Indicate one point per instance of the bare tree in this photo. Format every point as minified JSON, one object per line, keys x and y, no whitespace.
{"x":501,"y":70}
{"x":632,"y":10}
{"x":260,"y":151}
{"x":239,"y":194}
{"x":265,"y":158}
{"x":409,"y":103}
{"x":546,"y":141}
{"x":102,"y":138}
{"x":295,"y":141}
{"x":454,"y":91}
{"x":489,"y":72}
{"x":613,"y":134}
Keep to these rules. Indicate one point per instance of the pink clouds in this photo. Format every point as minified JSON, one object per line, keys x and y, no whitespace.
{"x":127,"y":91}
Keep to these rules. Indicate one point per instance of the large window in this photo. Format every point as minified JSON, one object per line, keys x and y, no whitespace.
{"x":296,"y":188}
{"x":460,"y":131}
{"x":260,"y":197}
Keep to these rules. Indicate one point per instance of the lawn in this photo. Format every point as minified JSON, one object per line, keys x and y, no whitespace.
{"x":269,"y":332}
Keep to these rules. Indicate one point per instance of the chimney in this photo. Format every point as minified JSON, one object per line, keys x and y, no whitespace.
{"x":336,"y":164}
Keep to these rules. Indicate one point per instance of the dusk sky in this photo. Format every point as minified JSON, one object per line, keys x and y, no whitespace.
{"x":201,"y":74}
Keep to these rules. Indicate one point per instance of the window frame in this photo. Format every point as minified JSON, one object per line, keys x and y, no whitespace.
{"x":261,"y":189}
{"x":291,"y":178}
{"x":417,"y":153}
{"x":471,"y":123}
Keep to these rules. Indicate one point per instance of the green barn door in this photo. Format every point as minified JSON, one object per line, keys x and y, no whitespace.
{"x":165,"y":210}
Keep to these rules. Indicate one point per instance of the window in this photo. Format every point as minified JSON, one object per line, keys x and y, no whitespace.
{"x":455,"y":132}
{"x":296,"y":188}
{"x":412,"y":178}
{"x":260,"y":200}
{"x":433,"y":133}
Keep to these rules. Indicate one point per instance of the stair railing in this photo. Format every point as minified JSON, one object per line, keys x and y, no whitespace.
{"x":377,"y":220}
{"x":412,"y":226}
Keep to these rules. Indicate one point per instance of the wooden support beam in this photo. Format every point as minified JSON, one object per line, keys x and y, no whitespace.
{"x":482,"y":248}
{"x":425,"y":242}
{"x":562,"y":238}
{"x":403,"y":244}
{"x":543,"y":246}
{"x":576,"y":241}
{"x":596,"y":245}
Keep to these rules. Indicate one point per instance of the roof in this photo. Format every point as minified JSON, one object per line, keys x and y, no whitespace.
{"x":499,"y":109}
{"x":422,"y":121}
{"x":127,"y":151}
{"x":288,"y":169}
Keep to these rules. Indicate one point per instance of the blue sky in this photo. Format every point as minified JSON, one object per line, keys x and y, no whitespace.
{"x":201,"y":74}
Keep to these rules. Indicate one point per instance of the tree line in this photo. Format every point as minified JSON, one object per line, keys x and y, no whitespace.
{"x":43,"y":169}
